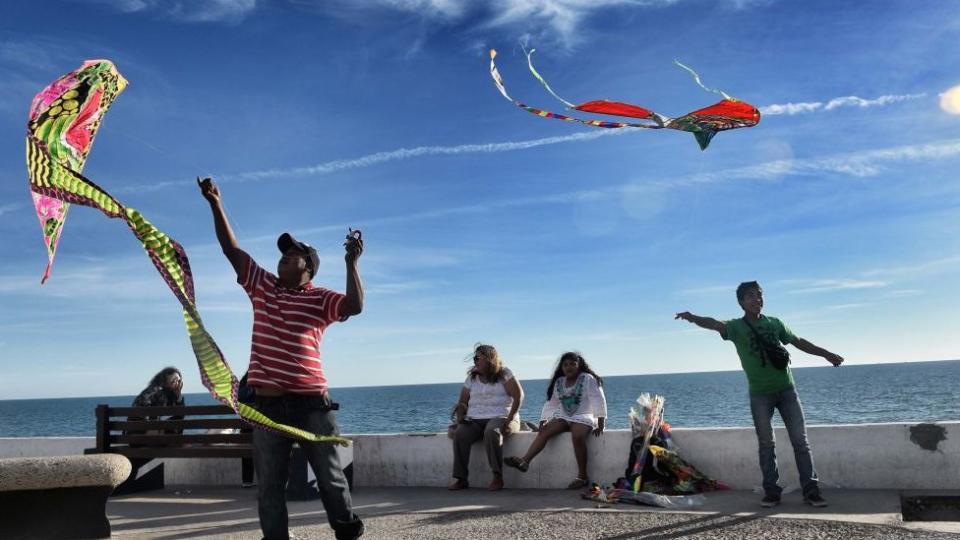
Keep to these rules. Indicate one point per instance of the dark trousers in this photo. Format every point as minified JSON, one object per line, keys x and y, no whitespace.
{"x":788,"y":403}
{"x":490,"y":430}
{"x":271,"y":458}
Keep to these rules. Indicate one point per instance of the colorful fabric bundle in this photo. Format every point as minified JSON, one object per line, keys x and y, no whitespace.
{"x":729,"y":113}
{"x":654,"y":465}
{"x":670,"y":474}
{"x":646,"y":415}
{"x":656,"y":475}
{"x":63,"y":122}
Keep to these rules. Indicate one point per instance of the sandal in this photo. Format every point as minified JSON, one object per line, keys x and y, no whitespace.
{"x":458,"y":485}
{"x":516,"y":463}
{"x":578,"y":483}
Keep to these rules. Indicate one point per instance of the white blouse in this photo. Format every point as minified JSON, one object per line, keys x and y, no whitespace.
{"x":593,"y":403}
{"x":489,"y":400}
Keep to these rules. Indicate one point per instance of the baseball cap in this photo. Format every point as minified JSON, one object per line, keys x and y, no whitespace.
{"x":286,"y":241}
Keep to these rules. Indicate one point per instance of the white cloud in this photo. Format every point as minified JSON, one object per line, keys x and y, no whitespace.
{"x":924,"y":268}
{"x":32,"y":55}
{"x":854,"y":305}
{"x":862,"y":164}
{"x":562,"y":17}
{"x":950,"y":100}
{"x":430,"y":8}
{"x":444,"y":353}
{"x":545,"y":20}
{"x":7,"y":208}
{"x":791,"y":109}
{"x":229,"y":11}
{"x":830,"y":285}
{"x":904,"y":293}
{"x":330,"y":167}
{"x":857,"y":164}
{"x":407,"y":153}
{"x":708,"y":290}
{"x":398,"y":287}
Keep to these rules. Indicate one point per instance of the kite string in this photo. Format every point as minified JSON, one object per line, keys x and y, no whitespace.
{"x":329,"y":246}
{"x":185,"y":161}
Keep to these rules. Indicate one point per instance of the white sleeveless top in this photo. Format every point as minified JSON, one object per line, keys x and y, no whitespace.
{"x":488,"y":400}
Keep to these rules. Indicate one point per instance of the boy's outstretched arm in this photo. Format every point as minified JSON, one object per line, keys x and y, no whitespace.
{"x":810,"y":348}
{"x":228,"y":242}
{"x":704,"y":322}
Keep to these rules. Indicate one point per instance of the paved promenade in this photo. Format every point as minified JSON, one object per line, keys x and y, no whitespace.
{"x":428,"y":513}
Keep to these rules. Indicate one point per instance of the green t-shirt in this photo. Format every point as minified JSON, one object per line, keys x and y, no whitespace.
{"x":762,"y":379}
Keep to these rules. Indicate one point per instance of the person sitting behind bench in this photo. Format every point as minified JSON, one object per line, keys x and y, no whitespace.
{"x":165,"y":390}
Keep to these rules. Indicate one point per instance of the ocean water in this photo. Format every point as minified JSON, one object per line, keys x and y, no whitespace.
{"x":907,"y":392}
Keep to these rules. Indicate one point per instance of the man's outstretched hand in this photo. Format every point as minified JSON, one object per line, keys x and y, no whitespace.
{"x":209,"y":190}
{"x":834,"y":359}
{"x":353,"y":245}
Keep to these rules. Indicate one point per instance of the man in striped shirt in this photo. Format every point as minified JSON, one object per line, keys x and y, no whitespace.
{"x":290,"y":316}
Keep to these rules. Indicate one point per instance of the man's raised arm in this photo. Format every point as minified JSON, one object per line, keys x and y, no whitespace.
{"x":353,"y":303}
{"x":228,"y":242}
{"x":704,"y":322}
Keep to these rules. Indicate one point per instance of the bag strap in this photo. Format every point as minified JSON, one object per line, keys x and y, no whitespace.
{"x":760,"y":340}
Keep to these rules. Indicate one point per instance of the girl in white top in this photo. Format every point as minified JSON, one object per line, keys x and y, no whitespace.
{"x":575,"y":403}
{"x":489,"y":402}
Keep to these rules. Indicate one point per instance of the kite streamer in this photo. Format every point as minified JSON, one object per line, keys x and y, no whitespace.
{"x":729,"y":113}
{"x":64,"y":119}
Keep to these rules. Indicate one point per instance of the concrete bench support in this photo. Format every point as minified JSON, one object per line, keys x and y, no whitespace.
{"x":58,"y":497}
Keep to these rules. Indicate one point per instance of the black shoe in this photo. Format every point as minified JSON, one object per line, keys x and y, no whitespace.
{"x":814,"y":500}
{"x":770,"y":500}
{"x":348,"y":530}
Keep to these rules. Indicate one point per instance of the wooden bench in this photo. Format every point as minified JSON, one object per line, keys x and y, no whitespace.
{"x":146,"y":439}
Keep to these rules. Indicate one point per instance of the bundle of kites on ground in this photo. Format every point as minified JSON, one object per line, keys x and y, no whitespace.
{"x":656,"y":475}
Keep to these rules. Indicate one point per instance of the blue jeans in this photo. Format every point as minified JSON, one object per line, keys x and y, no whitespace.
{"x":271,"y":458}
{"x":788,"y":403}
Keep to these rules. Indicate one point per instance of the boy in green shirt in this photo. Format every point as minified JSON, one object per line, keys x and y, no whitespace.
{"x":771,"y":387}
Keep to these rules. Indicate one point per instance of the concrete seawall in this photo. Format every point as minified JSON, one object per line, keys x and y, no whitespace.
{"x":894,"y":456}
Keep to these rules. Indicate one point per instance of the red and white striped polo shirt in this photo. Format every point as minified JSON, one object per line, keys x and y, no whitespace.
{"x":288,"y":325}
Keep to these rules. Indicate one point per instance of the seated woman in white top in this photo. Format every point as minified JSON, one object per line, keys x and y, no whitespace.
{"x":488,"y":406}
{"x":575,"y":403}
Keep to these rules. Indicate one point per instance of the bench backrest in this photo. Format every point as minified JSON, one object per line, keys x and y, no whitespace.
{"x":151,"y":433}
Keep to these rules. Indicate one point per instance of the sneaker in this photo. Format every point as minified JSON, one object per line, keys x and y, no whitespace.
{"x":815,"y":500}
{"x":770,"y":500}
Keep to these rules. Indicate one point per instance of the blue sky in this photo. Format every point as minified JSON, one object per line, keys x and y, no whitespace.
{"x":482,"y":222}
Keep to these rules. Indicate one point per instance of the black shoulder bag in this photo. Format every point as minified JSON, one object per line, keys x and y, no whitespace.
{"x":775,"y":353}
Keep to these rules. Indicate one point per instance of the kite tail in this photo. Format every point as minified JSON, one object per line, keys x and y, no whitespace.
{"x":544,"y":82}
{"x":50,"y":178}
{"x":700,"y":83}
{"x":498,"y":81}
